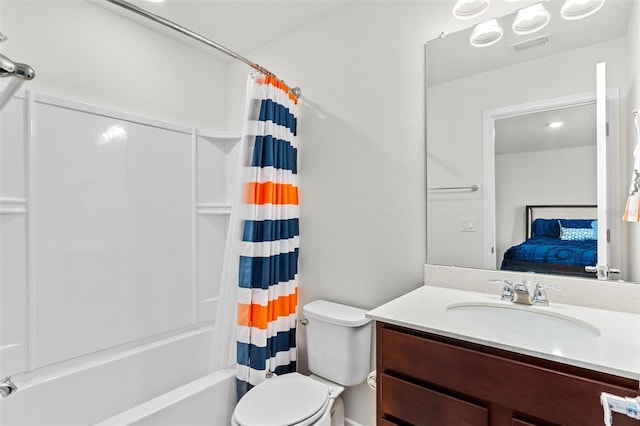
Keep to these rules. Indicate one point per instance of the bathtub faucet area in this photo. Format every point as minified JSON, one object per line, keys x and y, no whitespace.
{"x":7,"y":387}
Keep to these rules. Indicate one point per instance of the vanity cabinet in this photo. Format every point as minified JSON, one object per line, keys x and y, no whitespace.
{"x":426,"y":379}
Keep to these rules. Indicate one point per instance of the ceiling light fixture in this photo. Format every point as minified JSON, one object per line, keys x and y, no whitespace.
{"x":486,"y":34}
{"x":555,"y":124}
{"x":531,"y":19}
{"x":578,"y":9}
{"x":467,"y":9}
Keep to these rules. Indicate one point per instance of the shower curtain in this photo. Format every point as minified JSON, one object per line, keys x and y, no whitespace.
{"x":267,"y":283}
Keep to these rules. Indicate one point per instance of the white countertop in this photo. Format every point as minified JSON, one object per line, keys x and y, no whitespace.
{"x":615,"y":351}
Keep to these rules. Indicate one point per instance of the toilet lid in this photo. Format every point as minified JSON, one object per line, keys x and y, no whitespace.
{"x":285,"y":400}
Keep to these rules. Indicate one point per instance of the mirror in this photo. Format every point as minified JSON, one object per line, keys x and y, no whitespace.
{"x":465,"y":83}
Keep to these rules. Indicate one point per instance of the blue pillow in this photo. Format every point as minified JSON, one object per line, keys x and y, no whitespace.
{"x":575,"y":233}
{"x":545,"y":228}
{"x":576,"y":223}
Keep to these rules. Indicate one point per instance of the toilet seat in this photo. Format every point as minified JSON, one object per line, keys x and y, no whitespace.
{"x":287,"y":400}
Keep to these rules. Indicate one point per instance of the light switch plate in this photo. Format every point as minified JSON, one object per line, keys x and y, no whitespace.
{"x":468,"y":224}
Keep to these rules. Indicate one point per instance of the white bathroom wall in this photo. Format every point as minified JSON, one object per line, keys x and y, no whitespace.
{"x":361,"y":130}
{"x":633,"y":101}
{"x":452,"y":158}
{"x":86,"y":52}
{"x":362,"y":176}
{"x":362,"y":155}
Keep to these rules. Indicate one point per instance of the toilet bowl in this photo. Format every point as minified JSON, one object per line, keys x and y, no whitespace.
{"x":338,"y":352}
{"x":291,"y":400}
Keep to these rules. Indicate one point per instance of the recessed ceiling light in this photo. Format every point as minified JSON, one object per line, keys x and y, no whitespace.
{"x":531,"y":19}
{"x":486,"y":34}
{"x":555,"y":124}
{"x":467,"y":9}
{"x":578,"y":9}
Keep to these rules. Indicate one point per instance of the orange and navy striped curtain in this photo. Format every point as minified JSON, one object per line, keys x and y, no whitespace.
{"x":268,"y":272}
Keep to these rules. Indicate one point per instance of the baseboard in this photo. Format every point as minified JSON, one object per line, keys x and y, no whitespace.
{"x":348,"y":422}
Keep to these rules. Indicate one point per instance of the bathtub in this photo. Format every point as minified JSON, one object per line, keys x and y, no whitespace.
{"x":163,"y":382}
{"x":209,"y":400}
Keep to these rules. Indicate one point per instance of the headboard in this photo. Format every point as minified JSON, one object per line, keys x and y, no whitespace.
{"x":558,"y":212}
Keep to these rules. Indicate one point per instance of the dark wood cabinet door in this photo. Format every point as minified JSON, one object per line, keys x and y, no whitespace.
{"x":420,"y":406}
{"x":425,"y":379}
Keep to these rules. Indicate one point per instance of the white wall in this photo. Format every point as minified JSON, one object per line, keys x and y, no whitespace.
{"x":85,"y":52}
{"x":362,"y":172}
{"x":632,"y":102}
{"x":454,"y":152}
{"x":519,"y":182}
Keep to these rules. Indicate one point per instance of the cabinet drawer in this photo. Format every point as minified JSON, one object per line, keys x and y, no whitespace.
{"x":517,"y":422}
{"x":385,"y":422}
{"x":543,"y":393}
{"x":421,"y":406}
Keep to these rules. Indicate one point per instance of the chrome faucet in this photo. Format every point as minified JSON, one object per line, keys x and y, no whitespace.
{"x":507,"y":289}
{"x":521,"y":294}
{"x":540,"y":294}
{"x":7,"y":387}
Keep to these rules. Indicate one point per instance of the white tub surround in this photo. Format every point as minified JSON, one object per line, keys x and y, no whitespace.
{"x":615,"y":351}
{"x":113,"y":228}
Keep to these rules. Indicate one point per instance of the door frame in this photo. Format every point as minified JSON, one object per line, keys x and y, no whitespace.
{"x":488,"y":146}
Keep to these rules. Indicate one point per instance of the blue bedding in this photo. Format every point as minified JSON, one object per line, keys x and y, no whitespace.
{"x":548,"y":243}
{"x":555,"y":250}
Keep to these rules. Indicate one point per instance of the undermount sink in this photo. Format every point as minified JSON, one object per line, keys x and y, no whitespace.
{"x":523,"y":319}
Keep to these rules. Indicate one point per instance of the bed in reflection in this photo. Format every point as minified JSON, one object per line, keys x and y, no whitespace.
{"x":559,"y":240}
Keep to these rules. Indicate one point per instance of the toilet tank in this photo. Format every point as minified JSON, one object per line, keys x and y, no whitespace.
{"x":338,"y":342}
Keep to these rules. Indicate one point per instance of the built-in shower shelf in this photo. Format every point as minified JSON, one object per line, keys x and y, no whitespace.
{"x":213,"y":209}
{"x":220,"y":135}
{"x":13,"y":206}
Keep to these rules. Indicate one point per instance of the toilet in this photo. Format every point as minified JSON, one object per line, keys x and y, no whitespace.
{"x":338,"y":353}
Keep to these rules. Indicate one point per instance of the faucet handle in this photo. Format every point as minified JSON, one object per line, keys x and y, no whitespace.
{"x":540,"y":294}
{"x":507,"y":289}
{"x":7,"y":387}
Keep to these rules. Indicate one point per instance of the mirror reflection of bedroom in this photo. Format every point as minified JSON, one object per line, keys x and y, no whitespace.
{"x":534,"y":182}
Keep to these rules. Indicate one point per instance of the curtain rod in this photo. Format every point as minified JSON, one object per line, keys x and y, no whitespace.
{"x":170,"y":24}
